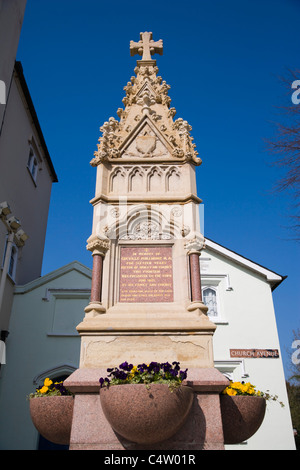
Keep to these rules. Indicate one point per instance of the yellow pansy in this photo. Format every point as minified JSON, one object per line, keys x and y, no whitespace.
{"x":44,"y":389}
{"x":231,"y":392}
{"x":132,"y":372}
{"x":236,"y":385}
{"x":245,"y":387}
{"x":48,"y":382}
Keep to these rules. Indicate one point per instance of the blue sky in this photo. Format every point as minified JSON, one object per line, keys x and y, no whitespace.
{"x":223,"y":60}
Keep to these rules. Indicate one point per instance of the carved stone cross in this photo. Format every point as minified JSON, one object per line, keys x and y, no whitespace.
{"x":146,"y":46}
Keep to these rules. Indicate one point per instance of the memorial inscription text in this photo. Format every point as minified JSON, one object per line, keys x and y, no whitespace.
{"x":146,"y":274}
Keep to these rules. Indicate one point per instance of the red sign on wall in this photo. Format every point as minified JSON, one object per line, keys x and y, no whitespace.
{"x":254,"y":353}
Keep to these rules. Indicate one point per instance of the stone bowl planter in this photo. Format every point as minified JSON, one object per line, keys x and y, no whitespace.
{"x":52,"y":417}
{"x":146,"y":415}
{"x":241,"y":417}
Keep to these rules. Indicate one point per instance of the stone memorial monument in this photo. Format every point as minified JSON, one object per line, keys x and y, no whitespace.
{"x":146,"y":303}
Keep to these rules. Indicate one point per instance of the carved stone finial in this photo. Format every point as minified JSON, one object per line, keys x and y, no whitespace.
{"x":146,"y":46}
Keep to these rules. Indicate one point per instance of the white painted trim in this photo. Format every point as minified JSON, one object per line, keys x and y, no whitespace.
{"x":217,"y":278}
{"x":271,"y":276}
{"x":230,"y":365}
{"x":66,"y":293}
{"x":75,"y":265}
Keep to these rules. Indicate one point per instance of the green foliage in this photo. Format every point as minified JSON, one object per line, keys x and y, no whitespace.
{"x":294,"y":401}
{"x":49,"y":389}
{"x":155,"y":372}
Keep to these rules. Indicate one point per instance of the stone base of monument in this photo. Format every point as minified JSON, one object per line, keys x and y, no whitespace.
{"x":202,"y":429}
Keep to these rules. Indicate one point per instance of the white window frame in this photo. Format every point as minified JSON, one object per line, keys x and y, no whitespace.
{"x":213,"y":289}
{"x":214,"y":281}
{"x":33,"y":164}
{"x":13,"y":260}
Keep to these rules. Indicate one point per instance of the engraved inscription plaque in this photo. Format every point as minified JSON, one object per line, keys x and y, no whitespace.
{"x":146,"y":274}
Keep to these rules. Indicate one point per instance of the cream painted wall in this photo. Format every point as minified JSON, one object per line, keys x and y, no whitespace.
{"x":28,"y":199}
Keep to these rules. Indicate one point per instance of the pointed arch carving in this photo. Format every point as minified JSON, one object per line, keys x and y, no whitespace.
{"x":136,"y":180}
{"x":172,"y":180}
{"x":117,"y":180}
{"x":155,"y":179}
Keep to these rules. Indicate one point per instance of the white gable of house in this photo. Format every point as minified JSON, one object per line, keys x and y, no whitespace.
{"x":271,"y":277}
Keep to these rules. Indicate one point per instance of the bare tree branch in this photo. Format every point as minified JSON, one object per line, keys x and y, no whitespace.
{"x":286,"y":147}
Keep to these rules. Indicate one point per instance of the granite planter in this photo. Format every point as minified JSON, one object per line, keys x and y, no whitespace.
{"x":241,"y":417}
{"x":146,"y":414}
{"x":52,"y":417}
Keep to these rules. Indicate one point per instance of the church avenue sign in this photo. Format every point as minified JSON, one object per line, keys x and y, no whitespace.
{"x":254,"y":353}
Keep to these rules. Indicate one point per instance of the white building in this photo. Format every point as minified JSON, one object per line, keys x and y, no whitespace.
{"x":238,"y":292}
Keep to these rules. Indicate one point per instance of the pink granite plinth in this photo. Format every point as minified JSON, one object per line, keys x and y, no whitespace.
{"x":202,"y":429}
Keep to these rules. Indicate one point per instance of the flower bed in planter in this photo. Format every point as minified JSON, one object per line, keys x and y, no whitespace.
{"x":241,"y":417}
{"x":243,"y":410}
{"x":51,"y":410}
{"x":52,"y":417}
{"x":146,"y":404}
{"x":146,"y":415}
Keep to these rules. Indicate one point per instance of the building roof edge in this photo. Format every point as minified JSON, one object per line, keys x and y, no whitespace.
{"x":25,"y":89}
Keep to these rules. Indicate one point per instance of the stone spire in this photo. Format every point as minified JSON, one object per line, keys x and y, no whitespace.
{"x":146,"y":129}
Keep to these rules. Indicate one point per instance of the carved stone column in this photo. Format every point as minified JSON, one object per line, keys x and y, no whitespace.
{"x":98,"y":247}
{"x":194,"y":247}
{"x":194,"y":257}
{"x":97,"y":277}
